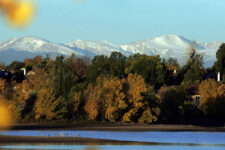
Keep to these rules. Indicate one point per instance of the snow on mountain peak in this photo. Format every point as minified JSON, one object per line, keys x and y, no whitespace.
{"x":170,"y":45}
{"x":35,"y":45}
{"x":97,"y":47}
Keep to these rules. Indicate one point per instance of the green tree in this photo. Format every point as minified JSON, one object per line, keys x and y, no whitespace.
{"x":220,"y":63}
{"x":62,"y":81}
{"x":99,"y":66}
{"x":172,"y":101}
{"x":107,"y":66}
{"x":151,"y":109}
{"x":149,"y":67}
{"x":62,"y":78}
{"x":172,"y":64}
{"x":193,"y":69}
{"x":117,"y":64}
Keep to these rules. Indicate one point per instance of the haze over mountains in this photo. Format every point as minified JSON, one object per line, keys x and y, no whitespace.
{"x":166,"y":46}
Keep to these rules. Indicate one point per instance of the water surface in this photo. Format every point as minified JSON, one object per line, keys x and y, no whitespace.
{"x":110,"y":147}
{"x":160,"y":137}
{"x":157,"y":140}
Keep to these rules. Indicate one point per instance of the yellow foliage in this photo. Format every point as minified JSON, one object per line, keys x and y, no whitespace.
{"x":108,"y":96}
{"x":5,"y":114}
{"x":16,"y":107}
{"x":135,"y":87}
{"x":92,"y":99}
{"x":113,"y":98}
{"x":147,"y":117}
{"x":33,"y":62}
{"x":2,"y":85}
{"x":221,"y":90}
{"x":20,"y":93}
{"x":46,"y":104}
{"x":32,"y":84}
{"x":207,"y":89}
{"x":36,"y":81}
{"x":127,"y":116}
{"x":18,"y":13}
{"x":211,"y":94}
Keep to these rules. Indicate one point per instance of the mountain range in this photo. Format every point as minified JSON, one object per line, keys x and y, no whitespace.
{"x":166,"y":46}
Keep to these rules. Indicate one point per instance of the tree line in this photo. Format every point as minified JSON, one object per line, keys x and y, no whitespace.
{"x":116,"y":88}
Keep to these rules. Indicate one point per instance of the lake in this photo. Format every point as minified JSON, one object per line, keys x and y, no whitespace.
{"x":164,"y":140}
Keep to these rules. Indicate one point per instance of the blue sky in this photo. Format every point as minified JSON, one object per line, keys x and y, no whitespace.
{"x":123,"y":21}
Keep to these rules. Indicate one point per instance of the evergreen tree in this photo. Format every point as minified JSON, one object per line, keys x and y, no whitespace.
{"x":149,"y":67}
{"x":193,"y":69}
{"x":220,"y":63}
{"x":105,"y":66}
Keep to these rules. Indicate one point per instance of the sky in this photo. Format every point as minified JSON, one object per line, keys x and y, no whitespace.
{"x":123,"y":21}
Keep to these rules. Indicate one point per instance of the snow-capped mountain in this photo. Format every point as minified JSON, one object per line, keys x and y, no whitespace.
{"x":35,"y":45}
{"x":29,"y":46}
{"x":166,"y":46}
{"x":97,"y":47}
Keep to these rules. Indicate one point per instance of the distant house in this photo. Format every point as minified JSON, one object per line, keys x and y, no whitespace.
{"x":194,"y":94}
{"x":24,"y":71}
{"x":3,"y":74}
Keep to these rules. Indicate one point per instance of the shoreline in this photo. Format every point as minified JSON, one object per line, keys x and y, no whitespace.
{"x":116,"y":127}
{"x":5,"y":139}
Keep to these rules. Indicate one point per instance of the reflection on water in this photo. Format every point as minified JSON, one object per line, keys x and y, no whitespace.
{"x":110,"y":147}
{"x":159,"y":137}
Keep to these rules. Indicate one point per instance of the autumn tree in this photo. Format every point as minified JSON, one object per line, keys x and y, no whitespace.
{"x":31,"y":85}
{"x":2,"y":85}
{"x":134,"y":87}
{"x":207,"y":89}
{"x":20,"y":92}
{"x":46,"y":105}
{"x":106,"y":99}
{"x":92,"y":96}
{"x":140,"y":98}
{"x":34,"y":63}
{"x":216,"y":110}
{"x":79,"y":66}
{"x":113,"y":99}
{"x":212,"y":100}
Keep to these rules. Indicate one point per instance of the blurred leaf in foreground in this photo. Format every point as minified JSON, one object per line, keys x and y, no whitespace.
{"x":18,"y":13}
